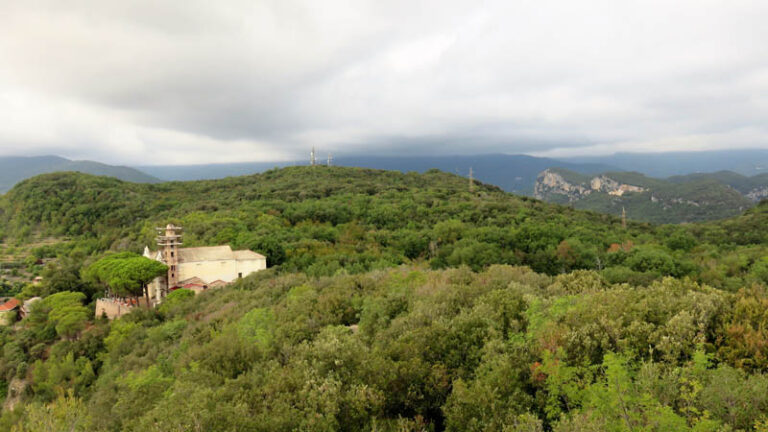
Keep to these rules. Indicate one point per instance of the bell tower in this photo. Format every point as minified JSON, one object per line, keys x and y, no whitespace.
{"x":169,"y":240}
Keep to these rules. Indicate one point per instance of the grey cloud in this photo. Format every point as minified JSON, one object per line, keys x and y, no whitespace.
{"x":265,"y":80}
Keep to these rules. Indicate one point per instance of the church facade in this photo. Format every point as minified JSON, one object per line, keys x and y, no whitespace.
{"x":198,"y":268}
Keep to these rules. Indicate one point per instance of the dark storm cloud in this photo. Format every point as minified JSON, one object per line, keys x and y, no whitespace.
{"x":197,"y":81}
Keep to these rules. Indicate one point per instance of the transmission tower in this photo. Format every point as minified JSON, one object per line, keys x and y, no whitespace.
{"x":623,"y":218}
{"x":330,"y":159}
{"x":312,"y":159}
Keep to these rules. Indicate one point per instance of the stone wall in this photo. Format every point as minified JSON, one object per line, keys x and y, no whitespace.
{"x":114,"y":308}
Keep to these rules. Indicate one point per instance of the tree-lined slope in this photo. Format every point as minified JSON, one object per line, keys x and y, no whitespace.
{"x":412,"y":350}
{"x":323,"y":220}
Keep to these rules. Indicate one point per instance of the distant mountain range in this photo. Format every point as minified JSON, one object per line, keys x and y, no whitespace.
{"x":209,"y":171}
{"x":513,"y":173}
{"x":747,"y":162}
{"x":14,"y":169}
{"x":689,"y":198}
{"x":688,"y":194}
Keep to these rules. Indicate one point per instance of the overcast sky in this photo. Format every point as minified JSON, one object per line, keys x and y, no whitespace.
{"x":196,"y":81}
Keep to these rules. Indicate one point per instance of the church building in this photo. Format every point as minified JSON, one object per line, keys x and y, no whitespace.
{"x":198,"y":268}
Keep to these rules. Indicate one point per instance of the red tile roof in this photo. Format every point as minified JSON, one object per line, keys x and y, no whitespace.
{"x":9,"y":305}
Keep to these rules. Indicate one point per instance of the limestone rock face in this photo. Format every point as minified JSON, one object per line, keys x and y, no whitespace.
{"x":606,"y":184}
{"x":758,"y":194}
{"x":674,"y":200}
{"x":550,"y":182}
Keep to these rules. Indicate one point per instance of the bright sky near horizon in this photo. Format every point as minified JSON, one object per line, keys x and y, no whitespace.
{"x":198,"y":81}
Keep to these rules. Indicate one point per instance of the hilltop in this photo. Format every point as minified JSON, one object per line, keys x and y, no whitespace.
{"x":513,"y":173}
{"x":321,"y":220}
{"x":754,"y":188}
{"x":691,"y":198}
{"x":15,"y":169}
{"x":313,"y":219}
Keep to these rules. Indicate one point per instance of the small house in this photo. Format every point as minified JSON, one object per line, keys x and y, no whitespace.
{"x":9,"y":312}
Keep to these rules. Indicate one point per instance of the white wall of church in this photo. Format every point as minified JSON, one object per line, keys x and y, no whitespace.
{"x":208,"y":271}
{"x":226,"y":270}
{"x":246,"y":267}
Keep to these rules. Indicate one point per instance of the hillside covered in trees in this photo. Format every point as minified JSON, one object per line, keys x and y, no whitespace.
{"x":678,"y":199}
{"x":394,"y":302}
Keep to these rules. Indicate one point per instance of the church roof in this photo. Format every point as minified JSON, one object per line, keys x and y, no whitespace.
{"x":193,"y":280}
{"x":215,"y":253}
{"x":247,"y":255}
{"x":208,"y":253}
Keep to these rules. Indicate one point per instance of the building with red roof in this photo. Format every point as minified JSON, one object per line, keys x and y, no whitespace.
{"x":9,"y":312}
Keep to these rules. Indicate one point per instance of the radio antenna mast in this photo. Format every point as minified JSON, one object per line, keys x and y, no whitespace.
{"x":330,"y":159}
{"x":471,"y":180}
{"x":623,"y":218}
{"x":312,"y":159}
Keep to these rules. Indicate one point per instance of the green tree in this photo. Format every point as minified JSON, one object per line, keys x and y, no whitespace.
{"x":63,"y":310}
{"x":126,"y":274}
{"x":175,"y":298}
{"x":66,"y":413}
{"x":624,"y":407}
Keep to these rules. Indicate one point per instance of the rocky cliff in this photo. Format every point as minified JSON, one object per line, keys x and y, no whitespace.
{"x":758,"y":194}
{"x":551,"y":182}
{"x":680,"y":199}
{"x":554,"y":182}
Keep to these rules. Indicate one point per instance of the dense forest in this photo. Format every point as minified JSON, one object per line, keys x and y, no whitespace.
{"x":394,"y":302}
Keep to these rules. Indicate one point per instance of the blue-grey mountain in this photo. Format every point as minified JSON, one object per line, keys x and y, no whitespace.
{"x":14,"y":169}
{"x":513,"y":173}
{"x":748,"y":162}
